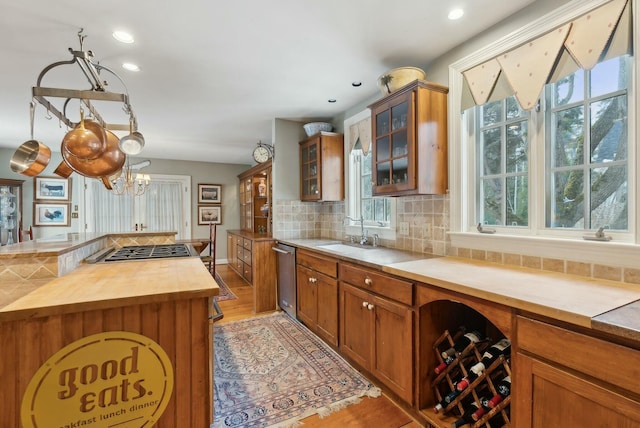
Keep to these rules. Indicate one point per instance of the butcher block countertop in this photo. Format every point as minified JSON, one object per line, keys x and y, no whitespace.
{"x":607,"y":306}
{"x":110,"y":285}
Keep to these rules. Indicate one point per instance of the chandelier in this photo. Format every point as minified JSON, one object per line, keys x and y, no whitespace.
{"x":130,"y":182}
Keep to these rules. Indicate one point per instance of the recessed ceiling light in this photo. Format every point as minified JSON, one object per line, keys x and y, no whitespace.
{"x":356,"y":84}
{"x":131,"y":67}
{"x":456,"y":14}
{"x":123,"y":36}
{"x":331,"y":100}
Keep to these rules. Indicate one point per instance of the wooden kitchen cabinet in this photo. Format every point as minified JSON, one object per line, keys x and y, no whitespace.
{"x":570,"y":379}
{"x":376,"y":329}
{"x":255,"y":262}
{"x":317,"y":290}
{"x":255,"y":195}
{"x":322,"y":167}
{"x":409,"y":140}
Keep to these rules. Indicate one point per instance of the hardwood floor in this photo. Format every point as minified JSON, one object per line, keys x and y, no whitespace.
{"x":378,"y":412}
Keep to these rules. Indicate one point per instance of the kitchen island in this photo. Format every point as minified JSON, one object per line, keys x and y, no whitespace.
{"x":162,"y":305}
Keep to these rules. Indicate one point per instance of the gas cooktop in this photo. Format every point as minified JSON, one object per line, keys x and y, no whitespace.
{"x":143,"y":252}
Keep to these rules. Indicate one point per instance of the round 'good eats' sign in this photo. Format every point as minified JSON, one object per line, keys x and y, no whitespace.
{"x":109,"y":379}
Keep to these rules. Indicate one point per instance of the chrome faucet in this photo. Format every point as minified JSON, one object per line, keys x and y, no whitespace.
{"x":364,"y":239}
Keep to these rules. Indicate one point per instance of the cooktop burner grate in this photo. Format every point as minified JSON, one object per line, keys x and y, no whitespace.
{"x":141,"y":252}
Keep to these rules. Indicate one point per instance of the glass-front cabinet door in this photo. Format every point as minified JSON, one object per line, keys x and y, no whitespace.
{"x":409,"y":139}
{"x":310,"y":171}
{"x":10,"y":210}
{"x":394,"y":165}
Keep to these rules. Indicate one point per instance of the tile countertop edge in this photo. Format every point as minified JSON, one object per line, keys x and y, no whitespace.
{"x":583,"y":300}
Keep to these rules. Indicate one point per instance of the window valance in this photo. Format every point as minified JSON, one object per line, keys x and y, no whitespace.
{"x":361,"y":131}
{"x":593,"y":37}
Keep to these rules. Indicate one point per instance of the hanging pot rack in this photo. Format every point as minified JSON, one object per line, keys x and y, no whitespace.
{"x":98,"y":92}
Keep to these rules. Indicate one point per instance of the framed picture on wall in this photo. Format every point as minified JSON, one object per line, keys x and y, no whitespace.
{"x":51,"y":189}
{"x":51,"y":214}
{"x":209,"y":214}
{"x":209,"y":193}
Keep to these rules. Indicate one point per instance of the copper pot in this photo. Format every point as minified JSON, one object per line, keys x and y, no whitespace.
{"x":30,"y":158}
{"x":109,"y":162}
{"x":88,"y":140}
{"x":63,"y":170}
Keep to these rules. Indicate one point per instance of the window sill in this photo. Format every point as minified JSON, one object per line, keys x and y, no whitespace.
{"x":609,"y":252}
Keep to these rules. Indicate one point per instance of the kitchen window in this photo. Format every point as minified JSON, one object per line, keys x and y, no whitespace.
{"x":378,"y":212}
{"x":546,"y":177}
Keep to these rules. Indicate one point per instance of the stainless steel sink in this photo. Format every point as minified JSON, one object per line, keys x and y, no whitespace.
{"x":345,"y":248}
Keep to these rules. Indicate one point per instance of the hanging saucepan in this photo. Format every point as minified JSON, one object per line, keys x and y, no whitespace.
{"x":63,"y":170}
{"x":86,"y":141}
{"x":111,"y":160}
{"x":32,"y":156}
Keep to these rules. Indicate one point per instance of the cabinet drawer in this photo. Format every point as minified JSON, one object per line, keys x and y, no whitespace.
{"x":246,"y":256}
{"x":393,"y":288}
{"x":608,"y":362}
{"x":246,"y":243}
{"x":246,"y":273}
{"x":318,"y":263}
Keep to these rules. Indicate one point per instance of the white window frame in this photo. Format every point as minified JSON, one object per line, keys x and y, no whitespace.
{"x":534,"y":240}
{"x":352,"y":192}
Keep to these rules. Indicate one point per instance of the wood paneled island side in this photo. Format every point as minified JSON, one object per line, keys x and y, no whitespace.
{"x":165,"y":300}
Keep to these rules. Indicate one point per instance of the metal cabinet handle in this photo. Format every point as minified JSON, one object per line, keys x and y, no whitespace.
{"x":368,"y":281}
{"x":313,"y":280}
{"x":365,"y":304}
{"x":370,"y":306}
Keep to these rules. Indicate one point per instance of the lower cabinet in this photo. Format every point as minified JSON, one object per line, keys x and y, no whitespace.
{"x":377,"y":332}
{"x":569,"y":379}
{"x":317,"y":289}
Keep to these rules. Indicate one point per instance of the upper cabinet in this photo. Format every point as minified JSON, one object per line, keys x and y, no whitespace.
{"x":255,"y":199}
{"x":10,"y":210}
{"x":409,"y":139}
{"x":322,"y":167}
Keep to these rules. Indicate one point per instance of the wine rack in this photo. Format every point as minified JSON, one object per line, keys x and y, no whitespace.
{"x":445,"y":382}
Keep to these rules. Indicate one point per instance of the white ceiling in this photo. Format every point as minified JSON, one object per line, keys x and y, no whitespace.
{"x":215,"y":74}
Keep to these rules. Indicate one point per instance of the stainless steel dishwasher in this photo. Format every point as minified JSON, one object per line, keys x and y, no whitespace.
{"x":286,"y":292}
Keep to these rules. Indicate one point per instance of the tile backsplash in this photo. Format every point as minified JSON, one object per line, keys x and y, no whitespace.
{"x":428,"y":220}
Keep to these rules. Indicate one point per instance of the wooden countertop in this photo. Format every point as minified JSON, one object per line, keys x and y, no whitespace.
{"x":563,"y":297}
{"x":252,"y":235}
{"x":107,"y":285}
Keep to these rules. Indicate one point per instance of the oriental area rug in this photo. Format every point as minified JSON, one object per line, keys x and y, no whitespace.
{"x":271,"y":371}
{"x":225,"y":292}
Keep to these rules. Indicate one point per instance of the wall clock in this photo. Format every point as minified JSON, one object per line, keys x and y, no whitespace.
{"x":263,"y":152}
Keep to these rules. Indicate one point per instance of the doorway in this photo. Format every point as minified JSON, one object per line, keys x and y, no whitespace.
{"x":164,"y":206}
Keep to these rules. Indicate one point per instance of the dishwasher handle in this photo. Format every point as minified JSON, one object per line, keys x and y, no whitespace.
{"x":278,"y":250}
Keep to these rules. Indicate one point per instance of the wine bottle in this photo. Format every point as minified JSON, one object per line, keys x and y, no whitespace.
{"x":446,"y":400}
{"x":466,"y":417}
{"x":504,"y":389}
{"x":482,"y":409}
{"x":441,"y":367}
{"x":460,"y":344}
{"x":502,"y":347}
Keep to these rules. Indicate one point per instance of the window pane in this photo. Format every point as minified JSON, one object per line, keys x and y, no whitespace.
{"x":491,"y":151}
{"x":380,"y":214}
{"x":609,"y":198}
{"x":513,"y":109}
{"x":491,"y":201}
{"x":569,"y":137}
{"x":609,"y":76}
{"x":517,"y":147}
{"x":608,"y":130}
{"x":491,"y":113}
{"x":569,"y":89}
{"x":517,"y":201}
{"x":567,"y":199}
{"x":367,"y":209}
